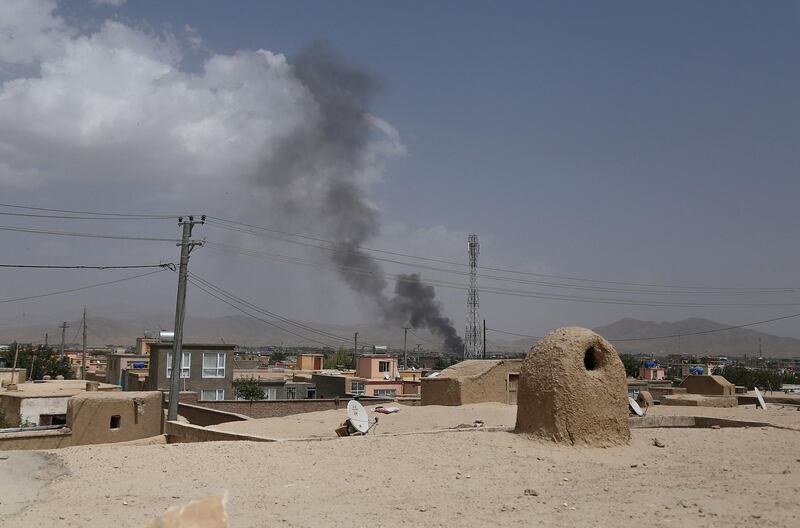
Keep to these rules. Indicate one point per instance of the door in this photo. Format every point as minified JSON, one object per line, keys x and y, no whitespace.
{"x":511,"y":384}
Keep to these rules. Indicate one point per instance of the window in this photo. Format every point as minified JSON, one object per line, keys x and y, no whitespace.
{"x":114,"y":422}
{"x":383,"y":366}
{"x":214,"y":364}
{"x":385,"y":392}
{"x":291,"y":393}
{"x":212,"y":394}
{"x":356,"y":387}
{"x":52,"y":419}
{"x":186,"y":364}
{"x":311,"y":394}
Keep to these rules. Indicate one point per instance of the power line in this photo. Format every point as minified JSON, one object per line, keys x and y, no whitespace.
{"x":494,"y":290}
{"x":169,"y":265}
{"x":73,"y":217}
{"x":231,"y":225}
{"x":511,"y":333}
{"x":20,"y":229}
{"x":221,"y":222}
{"x":245,"y":312}
{"x":81,"y":288}
{"x":94,"y":213}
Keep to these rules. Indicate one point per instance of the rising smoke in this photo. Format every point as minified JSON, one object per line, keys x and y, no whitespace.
{"x":315,"y":172}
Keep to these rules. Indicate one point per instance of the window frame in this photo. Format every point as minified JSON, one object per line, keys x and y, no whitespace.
{"x":381,"y":364}
{"x":353,"y":387}
{"x":291,"y":393}
{"x":217,"y":368}
{"x":217,"y":394}
{"x":186,"y":370}
{"x":385,"y":392}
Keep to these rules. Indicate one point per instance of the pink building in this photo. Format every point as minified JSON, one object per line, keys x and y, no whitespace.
{"x":379,"y":375}
{"x":652,"y":373}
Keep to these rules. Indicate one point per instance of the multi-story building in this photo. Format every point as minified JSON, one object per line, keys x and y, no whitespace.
{"x":118,"y":364}
{"x":206,"y":369}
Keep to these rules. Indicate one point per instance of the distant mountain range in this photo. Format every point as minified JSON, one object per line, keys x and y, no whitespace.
{"x":243,"y":330}
{"x":715,"y":341}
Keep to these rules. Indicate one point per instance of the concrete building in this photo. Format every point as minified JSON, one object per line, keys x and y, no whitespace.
{"x":43,"y":403}
{"x":118,"y":364}
{"x":652,"y":373}
{"x":205,"y":369}
{"x":309,"y":362}
{"x":95,"y":417}
{"x":474,"y":381}
{"x":708,"y":386}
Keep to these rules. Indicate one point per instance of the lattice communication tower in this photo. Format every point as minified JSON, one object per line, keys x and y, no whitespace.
{"x":472,"y":339}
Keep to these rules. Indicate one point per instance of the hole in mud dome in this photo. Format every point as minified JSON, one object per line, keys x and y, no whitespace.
{"x":114,"y":422}
{"x":591,"y":358}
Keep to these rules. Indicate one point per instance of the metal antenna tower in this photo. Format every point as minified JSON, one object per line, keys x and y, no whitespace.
{"x":472,"y":341}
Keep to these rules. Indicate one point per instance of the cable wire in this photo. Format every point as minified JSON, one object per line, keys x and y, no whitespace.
{"x":81,"y":288}
{"x":20,"y":229}
{"x":168,"y":265}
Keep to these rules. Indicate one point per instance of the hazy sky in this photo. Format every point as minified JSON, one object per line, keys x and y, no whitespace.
{"x":619,"y":141}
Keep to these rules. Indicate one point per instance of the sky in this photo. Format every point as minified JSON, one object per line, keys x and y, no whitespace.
{"x":622,"y":141}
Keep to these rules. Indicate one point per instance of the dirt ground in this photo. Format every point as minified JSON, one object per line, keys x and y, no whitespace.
{"x":702,"y":477}
{"x":410,"y":418}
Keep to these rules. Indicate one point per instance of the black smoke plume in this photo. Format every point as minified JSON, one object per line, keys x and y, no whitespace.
{"x":313,"y":178}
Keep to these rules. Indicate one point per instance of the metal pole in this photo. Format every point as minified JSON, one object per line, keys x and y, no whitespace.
{"x":63,"y":328}
{"x":177,"y":348}
{"x":355,"y":351}
{"x":14,"y":371}
{"x":405,"y":352}
{"x":83,"y":350}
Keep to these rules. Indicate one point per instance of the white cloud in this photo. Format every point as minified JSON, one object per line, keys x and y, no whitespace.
{"x":29,"y":30}
{"x":116,"y":105}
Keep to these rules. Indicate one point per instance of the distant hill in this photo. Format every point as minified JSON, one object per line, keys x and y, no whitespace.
{"x":243,"y":330}
{"x":734,"y":342}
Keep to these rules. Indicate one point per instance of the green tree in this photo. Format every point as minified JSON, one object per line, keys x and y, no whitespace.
{"x":248,"y":389}
{"x":340,"y":358}
{"x":277,"y":356}
{"x":631,"y":365}
{"x":38,"y":361}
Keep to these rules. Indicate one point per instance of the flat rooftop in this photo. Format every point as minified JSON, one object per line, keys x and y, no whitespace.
{"x":53,"y":388}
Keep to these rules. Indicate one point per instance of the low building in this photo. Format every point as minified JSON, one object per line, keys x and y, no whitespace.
{"x":205,"y":369}
{"x":708,"y":386}
{"x":652,"y":373}
{"x":309,"y":362}
{"x":94,"y":417}
{"x":118,"y":364}
{"x":473,"y":381}
{"x":44,"y":403}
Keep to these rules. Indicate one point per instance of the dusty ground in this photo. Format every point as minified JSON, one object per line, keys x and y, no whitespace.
{"x":410,"y":418}
{"x":702,"y":477}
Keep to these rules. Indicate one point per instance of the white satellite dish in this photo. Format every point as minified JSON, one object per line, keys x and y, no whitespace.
{"x":359,"y":418}
{"x":635,"y":407}
{"x":761,"y":402}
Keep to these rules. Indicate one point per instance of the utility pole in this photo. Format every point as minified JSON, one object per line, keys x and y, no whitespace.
{"x":405,"y":352}
{"x":46,"y":338}
{"x":83,"y":349}
{"x":63,"y":328}
{"x":355,"y":350}
{"x":186,"y":244}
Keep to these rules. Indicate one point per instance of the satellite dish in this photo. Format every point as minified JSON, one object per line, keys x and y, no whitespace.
{"x":635,"y":407}
{"x":358,"y":416}
{"x":761,"y":402}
